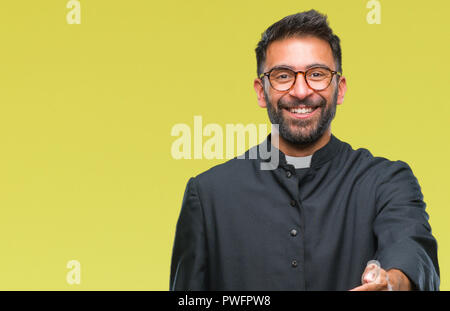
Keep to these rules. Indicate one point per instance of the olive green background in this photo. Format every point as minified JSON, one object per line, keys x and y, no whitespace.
{"x":86,"y":112}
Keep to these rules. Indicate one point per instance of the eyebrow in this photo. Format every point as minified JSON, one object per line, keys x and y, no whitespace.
{"x":281,"y":66}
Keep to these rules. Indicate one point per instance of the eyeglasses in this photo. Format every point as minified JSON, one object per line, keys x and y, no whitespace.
{"x":283,"y":79}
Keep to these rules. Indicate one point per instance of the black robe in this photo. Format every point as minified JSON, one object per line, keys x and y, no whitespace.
{"x":244,"y":228}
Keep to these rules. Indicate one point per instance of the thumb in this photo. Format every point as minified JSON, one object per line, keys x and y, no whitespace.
{"x":371,"y":273}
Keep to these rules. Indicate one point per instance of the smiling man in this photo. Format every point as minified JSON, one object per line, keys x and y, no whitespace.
{"x":316,"y":219}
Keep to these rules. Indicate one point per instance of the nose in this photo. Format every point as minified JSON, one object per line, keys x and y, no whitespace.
{"x":300,"y":89}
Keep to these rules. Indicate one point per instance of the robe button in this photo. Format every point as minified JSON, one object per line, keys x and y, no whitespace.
{"x":294,"y":263}
{"x":293,"y":203}
{"x":293,"y":232}
{"x":288,"y":174}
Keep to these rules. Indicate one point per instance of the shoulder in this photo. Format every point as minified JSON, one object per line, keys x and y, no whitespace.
{"x":232,"y":172}
{"x":378,"y":165}
{"x":381,"y":171}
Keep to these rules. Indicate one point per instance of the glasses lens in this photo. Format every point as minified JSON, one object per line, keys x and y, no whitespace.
{"x":318,"y":78}
{"x":282,"y":79}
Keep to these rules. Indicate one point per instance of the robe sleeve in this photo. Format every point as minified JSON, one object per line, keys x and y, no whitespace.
{"x":188,"y":268}
{"x":401,"y":226}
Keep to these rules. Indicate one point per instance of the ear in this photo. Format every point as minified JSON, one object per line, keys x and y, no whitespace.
{"x":259,"y":89}
{"x":342,"y":86}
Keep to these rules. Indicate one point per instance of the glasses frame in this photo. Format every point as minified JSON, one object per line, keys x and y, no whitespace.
{"x":267,"y":74}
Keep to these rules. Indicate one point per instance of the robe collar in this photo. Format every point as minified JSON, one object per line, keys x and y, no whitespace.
{"x":319,"y":157}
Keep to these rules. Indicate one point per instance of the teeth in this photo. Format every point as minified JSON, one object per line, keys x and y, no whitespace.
{"x":301,"y":110}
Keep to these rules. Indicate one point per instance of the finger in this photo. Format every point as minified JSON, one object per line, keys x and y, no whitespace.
{"x":369,"y":287}
{"x":389,"y":285}
{"x":370,"y":275}
{"x":379,"y":277}
{"x":382,"y":277}
{"x":371,"y":272}
{"x":366,"y":287}
{"x":383,"y":280}
{"x":380,"y":284}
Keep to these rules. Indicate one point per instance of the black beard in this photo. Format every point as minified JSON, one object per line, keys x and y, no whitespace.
{"x":327,"y":115}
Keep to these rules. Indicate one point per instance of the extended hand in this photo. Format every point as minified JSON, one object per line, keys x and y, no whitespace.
{"x":392,"y":279}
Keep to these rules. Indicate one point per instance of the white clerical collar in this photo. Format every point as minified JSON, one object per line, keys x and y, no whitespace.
{"x":299,"y":162}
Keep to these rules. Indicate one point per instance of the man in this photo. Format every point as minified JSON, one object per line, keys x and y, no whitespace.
{"x":324,"y":211}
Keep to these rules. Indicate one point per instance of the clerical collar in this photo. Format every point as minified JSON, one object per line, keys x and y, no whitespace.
{"x":320,"y":156}
{"x":299,"y":162}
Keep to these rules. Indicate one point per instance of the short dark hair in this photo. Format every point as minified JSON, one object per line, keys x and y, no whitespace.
{"x":308,"y":23}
